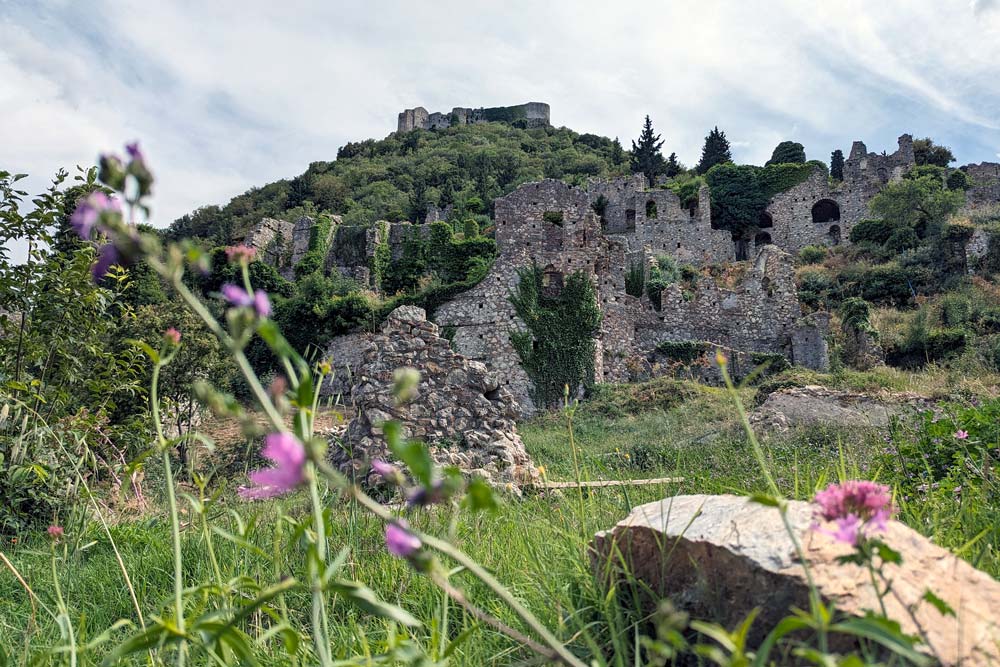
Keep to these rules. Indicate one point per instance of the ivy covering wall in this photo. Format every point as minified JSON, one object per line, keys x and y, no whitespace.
{"x":558,"y":347}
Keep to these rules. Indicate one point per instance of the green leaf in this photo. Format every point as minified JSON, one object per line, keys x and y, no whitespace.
{"x":885,"y":632}
{"x":938,"y":603}
{"x":479,"y":496}
{"x":764,"y":499}
{"x":414,"y":454}
{"x":366,"y":600}
{"x":153,"y":355}
{"x":887,"y":553}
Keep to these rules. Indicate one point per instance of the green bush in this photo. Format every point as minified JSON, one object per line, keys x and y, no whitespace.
{"x":812,"y":254}
{"x":635,"y":279}
{"x":874,"y":231}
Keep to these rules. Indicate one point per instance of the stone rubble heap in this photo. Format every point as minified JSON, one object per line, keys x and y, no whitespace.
{"x":460,"y":409}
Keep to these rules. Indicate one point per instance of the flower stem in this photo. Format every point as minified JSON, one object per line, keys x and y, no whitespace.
{"x":175,"y":525}
{"x":315,"y":576}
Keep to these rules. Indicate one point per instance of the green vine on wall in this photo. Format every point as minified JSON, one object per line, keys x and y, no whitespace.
{"x":558,"y":347}
{"x":382,"y":257}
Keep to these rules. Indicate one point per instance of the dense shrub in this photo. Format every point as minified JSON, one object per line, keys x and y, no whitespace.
{"x":812,"y":254}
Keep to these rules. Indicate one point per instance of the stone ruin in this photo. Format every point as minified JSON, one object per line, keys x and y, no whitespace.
{"x":530,"y":114}
{"x":605,"y":229}
{"x":461,"y":409}
{"x":759,"y":313}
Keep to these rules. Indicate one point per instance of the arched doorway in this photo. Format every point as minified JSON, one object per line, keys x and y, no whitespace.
{"x":762,"y":239}
{"x":765,"y":221}
{"x":826,"y":210}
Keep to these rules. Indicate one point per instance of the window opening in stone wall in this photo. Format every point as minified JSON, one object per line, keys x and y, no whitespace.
{"x":762,"y":239}
{"x":630,"y":219}
{"x":765,"y":221}
{"x":883,"y":174}
{"x":834,"y":235}
{"x":552,"y":281}
{"x":651,"y":209}
{"x":742,"y":249}
{"x":825,"y":210}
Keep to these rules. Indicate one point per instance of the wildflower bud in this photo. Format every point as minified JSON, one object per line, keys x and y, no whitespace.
{"x":89,"y":211}
{"x":240,"y":253}
{"x":388,"y":472}
{"x":720,"y":358}
{"x":172,"y":336}
{"x":961,"y":435}
{"x":112,"y":172}
{"x":401,"y":542}
{"x":137,"y":168}
{"x":324,"y":367}
{"x":55,"y":532}
{"x":405,"y":384}
{"x":278,"y":387}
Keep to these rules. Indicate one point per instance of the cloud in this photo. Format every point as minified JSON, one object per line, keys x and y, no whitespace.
{"x":231,"y":94}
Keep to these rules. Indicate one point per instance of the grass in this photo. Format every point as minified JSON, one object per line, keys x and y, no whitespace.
{"x":536,"y":545}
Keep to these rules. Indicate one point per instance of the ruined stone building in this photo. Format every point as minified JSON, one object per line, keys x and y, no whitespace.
{"x":555,"y":227}
{"x":608,"y":228}
{"x":530,"y":114}
{"x":820,"y":212}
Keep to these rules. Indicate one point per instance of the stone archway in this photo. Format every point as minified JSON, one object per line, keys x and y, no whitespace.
{"x":826,"y":210}
{"x":762,"y":239}
{"x":765,"y":221}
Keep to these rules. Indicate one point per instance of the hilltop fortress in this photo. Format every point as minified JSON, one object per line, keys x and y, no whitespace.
{"x":738,"y":294}
{"x":530,"y":114}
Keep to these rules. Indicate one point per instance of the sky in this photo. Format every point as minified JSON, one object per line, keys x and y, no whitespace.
{"x":226,"y":95}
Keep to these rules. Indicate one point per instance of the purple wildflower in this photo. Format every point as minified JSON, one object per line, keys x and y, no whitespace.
{"x":239,"y":297}
{"x":289,"y":458}
{"x":854,"y":506}
{"x":106,"y":257}
{"x":55,"y":532}
{"x":88,"y":212}
{"x":384,"y":469}
{"x":399,"y":541}
{"x":961,"y":435}
{"x":134,"y":152}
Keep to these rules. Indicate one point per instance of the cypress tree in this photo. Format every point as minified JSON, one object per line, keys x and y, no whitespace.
{"x":716,"y":150}
{"x":646,"y":156}
{"x":617,"y":152}
{"x":837,"y":165}
{"x":673,"y":166}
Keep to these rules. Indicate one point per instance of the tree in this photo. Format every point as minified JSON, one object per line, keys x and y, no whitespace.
{"x":926,"y":152}
{"x":737,"y":198}
{"x":716,"y":151}
{"x":673,"y":166}
{"x":922,"y":204}
{"x":788,"y":152}
{"x":837,"y":165}
{"x":646,"y":156}
{"x":617,"y":152}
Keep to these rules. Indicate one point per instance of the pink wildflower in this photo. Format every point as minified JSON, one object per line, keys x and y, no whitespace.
{"x":236,"y":253}
{"x":855,"y":506}
{"x":261,"y":303}
{"x":289,"y":458}
{"x":55,"y":532}
{"x":172,"y":335}
{"x":399,"y":541}
{"x":961,"y":435}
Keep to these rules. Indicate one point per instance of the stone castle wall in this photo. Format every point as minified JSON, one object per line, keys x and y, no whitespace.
{"x":985,"y":190}
{"x":534,"y":114}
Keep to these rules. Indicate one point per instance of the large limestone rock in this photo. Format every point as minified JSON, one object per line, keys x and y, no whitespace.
{"x":461,"y":410}
{"x":812,"y":405}
{"x":718,"y":557}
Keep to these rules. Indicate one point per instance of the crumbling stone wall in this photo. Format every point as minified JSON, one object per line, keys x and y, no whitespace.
{"x":271,"y":238}
{"x":461,"y":410}
{"x":534,"y":114}
{"x":555,"y":227}
{"x":985,"y":188}
{"x":653,"y":220}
